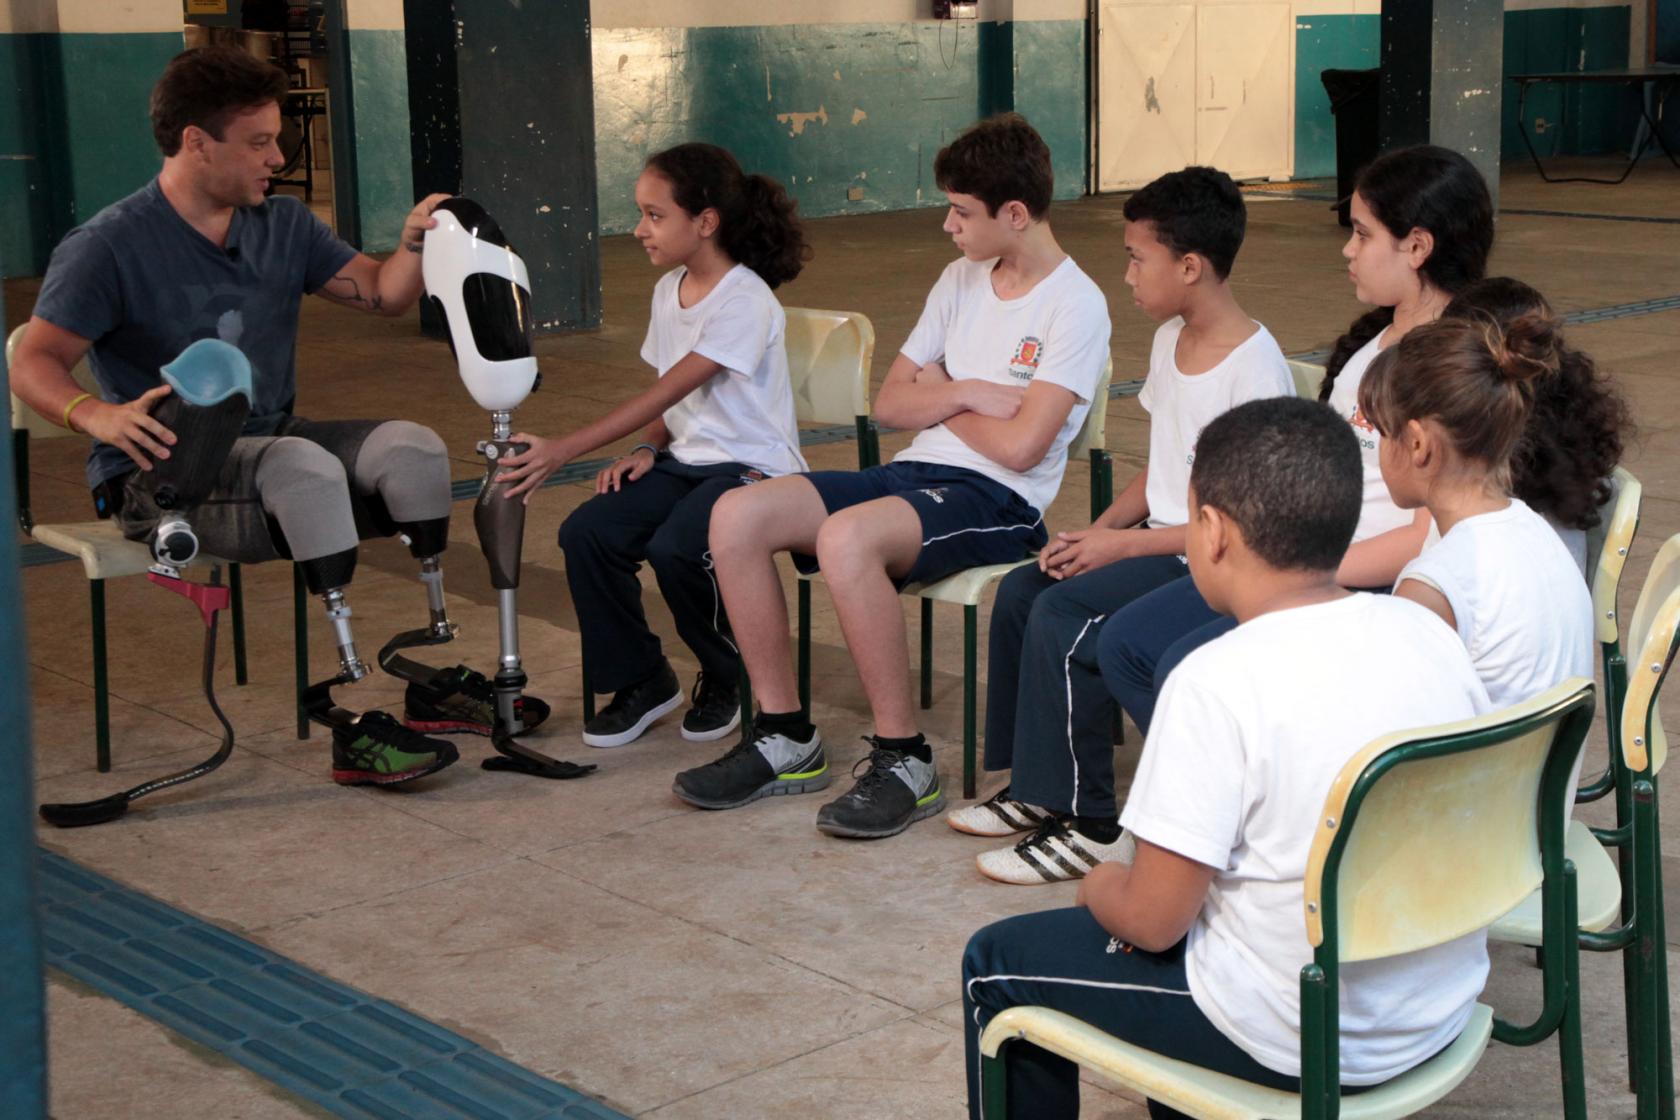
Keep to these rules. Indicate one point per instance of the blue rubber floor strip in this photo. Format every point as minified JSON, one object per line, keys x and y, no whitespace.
{"x":348,"y":1052}
{"x":34,"y":555}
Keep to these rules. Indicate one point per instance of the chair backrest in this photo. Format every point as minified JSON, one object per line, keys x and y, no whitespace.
{"x":1608,"y":543}
{"x":1094,"y":431}
{"x":1308,"y":377}
{"x":26,"y":419}
{"x":1431,"y":834}
{"x":829,"y":357}
{"x":1653,"y":635}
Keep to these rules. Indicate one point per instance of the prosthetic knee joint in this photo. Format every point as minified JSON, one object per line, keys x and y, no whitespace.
{"x":483,"y":290}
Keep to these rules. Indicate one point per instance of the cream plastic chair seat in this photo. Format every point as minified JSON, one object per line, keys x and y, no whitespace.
{"x":1217,"y":1096}
{"x":104,"y":552}
{"x":1308,"y":377}
{"x":1597,"y":881}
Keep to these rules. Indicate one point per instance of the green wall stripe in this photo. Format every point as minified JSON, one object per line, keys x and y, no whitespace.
{"x":830,"y":109}
{"x":1329,"y":42}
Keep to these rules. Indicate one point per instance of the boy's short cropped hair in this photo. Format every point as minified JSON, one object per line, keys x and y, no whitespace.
{"x":207,"y":87}
{"x":1288,"y":473}
{"x":999,"y":160}
{"x":1197,"y":210}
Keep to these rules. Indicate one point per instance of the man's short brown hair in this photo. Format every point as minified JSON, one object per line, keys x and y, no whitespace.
{"x":208,"y":87}
{"x":1002,"y":159}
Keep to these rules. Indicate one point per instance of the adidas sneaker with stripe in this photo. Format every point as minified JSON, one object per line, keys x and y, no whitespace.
{"x":998,"y":815}
{"x":1053,"y":854}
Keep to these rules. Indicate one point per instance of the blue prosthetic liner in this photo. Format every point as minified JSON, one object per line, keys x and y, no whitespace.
{"x":209,"y":372}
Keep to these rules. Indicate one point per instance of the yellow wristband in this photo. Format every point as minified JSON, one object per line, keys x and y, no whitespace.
{"x":74,"y":401}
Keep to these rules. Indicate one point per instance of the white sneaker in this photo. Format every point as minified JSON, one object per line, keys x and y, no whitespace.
{"x":1053,"y":854}
{"x":998,"y":815}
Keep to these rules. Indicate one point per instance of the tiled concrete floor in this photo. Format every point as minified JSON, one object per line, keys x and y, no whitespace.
{"x":671,"y":962}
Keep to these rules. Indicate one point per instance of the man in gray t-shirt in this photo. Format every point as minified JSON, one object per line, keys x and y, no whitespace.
{"x":202,"y":252}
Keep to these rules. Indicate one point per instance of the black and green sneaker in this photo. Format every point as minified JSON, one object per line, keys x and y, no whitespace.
{"x":377,"y":750}
{"x":462,"y":699}
{"x":762,"y":764}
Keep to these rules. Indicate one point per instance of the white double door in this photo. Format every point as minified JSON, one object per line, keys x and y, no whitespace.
{"x":1209,"y":83}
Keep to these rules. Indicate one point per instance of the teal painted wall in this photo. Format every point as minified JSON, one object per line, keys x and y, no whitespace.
{"x":1329,"y":42}
{"x":384,"y":172}
{"x":1582,"y":119}
{"x":826,"y":109}
{"x":1536,"y":41}
{"x":74,"y":133}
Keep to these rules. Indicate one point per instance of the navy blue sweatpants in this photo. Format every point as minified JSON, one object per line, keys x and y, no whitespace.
{"x":1146,"y":639}
{"x":1062,"y":959}
{"x":1049,"y":718}
{"x":662,"y":518}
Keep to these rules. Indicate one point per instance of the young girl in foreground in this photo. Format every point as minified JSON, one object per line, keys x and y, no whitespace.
{"x":719,"y":416}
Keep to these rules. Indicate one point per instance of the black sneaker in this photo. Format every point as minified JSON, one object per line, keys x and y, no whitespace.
{"x":377,"y":750}
{"x":762,"y":764}
{"x":462,"y":699}
{"x":714,"y":709}
{"x":895,"y":791}
{"x":634,"y":709}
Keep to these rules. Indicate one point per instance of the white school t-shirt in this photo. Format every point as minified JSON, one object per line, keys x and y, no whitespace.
{"x":1057,"y":333}
{"x":1180,"y":405}
{"x":744,"y":414}
{"x":1378,"y":514}
{"x":1522,"y":608}
{"x":1249,"y":733}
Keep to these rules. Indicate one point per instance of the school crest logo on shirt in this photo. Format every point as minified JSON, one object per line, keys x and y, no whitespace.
{"x":1025,"y":363}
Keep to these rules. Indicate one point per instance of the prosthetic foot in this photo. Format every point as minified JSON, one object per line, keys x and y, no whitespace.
{"x":483,"y":290}
{"x":207,"y":410}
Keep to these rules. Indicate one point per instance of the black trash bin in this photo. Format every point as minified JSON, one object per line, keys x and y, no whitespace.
{"x":1353,"y":100}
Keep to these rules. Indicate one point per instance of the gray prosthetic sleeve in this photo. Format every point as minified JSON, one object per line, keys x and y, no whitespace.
{"x":303,"y":487}
{"x":407,"y":465}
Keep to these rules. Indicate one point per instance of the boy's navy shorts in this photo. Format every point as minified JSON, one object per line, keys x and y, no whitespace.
{"x":968,"y":520}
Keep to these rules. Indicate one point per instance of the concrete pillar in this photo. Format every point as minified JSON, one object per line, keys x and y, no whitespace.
{"x":1441,"y":78}
{"x":503,"y":113}
{"x":23,"y":1028}
{"x":373,"y":187}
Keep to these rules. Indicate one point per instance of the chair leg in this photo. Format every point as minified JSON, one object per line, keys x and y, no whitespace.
{"x":745,"y":692}
{"x":994,"y":1085}
{"x":101,"y":683}
{"x":804,"y":645}
{"x":1657,"y":970}
{"x":1645,"y":952}
{"x":300,"y":645}
{"x":236,"y":592}
{"x":1571,"y":1058}
{"x":971,"y":686}
{"x":588,"y":693}
{"x":927,"y":654}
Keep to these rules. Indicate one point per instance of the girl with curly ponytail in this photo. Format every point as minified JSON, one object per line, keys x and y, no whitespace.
{"x":1452,"y":401}
{"x":720,"y":415}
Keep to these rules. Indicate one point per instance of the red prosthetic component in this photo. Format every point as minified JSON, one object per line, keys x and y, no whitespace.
{"x":207,"y":597}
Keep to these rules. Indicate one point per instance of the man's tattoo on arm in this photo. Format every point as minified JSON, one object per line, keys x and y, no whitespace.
{"x":352,"y":293}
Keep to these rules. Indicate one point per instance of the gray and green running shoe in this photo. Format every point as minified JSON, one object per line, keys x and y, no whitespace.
{"x":895,"y":791}
{"x":377,"y":750}
{"x":762,"y":764}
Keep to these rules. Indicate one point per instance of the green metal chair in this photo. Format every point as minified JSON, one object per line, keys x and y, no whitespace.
{"x":102,"y":549}
{"x":829,"y":357}
{"x":966,"y":588}
{"x":1427,"y":835}
{"x":1622,"y":899}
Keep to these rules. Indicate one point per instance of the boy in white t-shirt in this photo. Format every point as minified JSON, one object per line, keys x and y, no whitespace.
{"x":1048,"y":714}
{"x":1194,"y":949}
{"x":996,"y":378}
